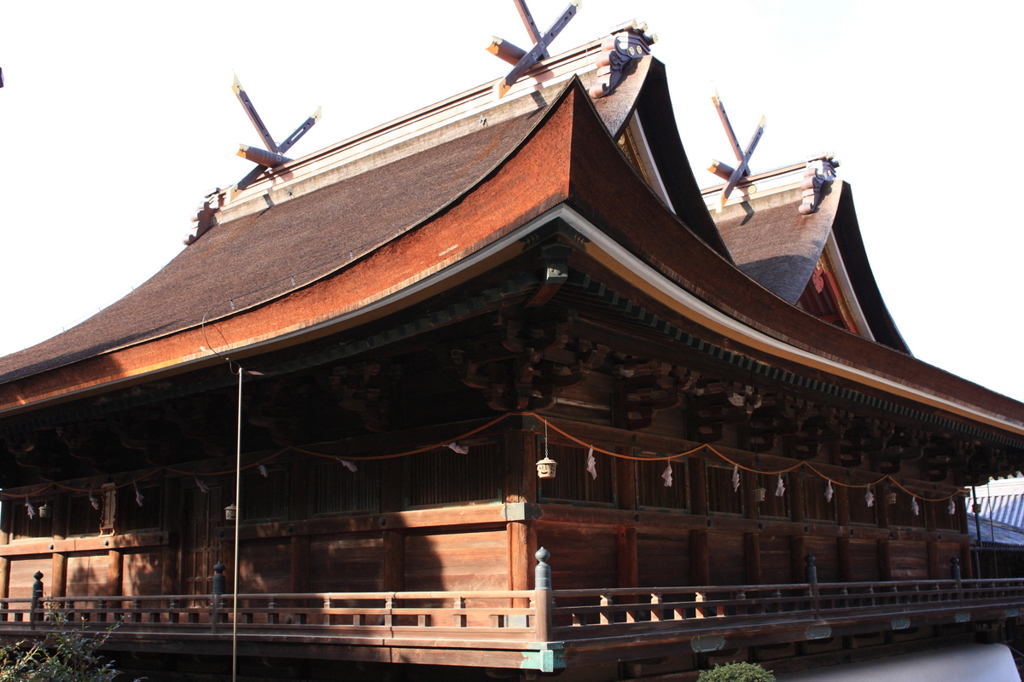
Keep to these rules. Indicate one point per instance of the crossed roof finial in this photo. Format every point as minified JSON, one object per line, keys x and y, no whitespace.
{"x":523,"y":59}
{"x":733,"y":175}
{"x":273,"y":156}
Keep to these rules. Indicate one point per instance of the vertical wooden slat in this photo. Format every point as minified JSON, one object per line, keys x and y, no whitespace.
{"x":699,"y":557}
{"x":115,"y":575}
{"x":394,"y":560}
{"x":170,"y":582}
{"x":625,"y":537}
{"x":5,"y":576}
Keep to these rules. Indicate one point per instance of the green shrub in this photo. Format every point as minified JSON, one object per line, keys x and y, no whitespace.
{"x":67,"y":654}
{"x":736,"y":672}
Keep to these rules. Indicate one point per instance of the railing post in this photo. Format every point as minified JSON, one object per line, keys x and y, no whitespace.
{"x":811,"y":572}
{"x":214,"y":612}
{"x":954,"y":567}
{"x":542,"y":595}
{"x":37,"y":595}
{"x":459,"y":619}
{"x":656,"y":613}
{"x":218,"y":579}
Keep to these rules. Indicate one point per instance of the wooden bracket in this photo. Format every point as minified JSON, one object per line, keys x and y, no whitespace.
{"x":820,"y":170}
{"x":627,"y":42}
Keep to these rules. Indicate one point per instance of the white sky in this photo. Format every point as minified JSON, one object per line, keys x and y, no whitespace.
{"x":117,"y":117}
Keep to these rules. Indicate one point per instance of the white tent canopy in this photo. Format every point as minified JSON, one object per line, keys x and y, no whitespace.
{"x":970,"y":663}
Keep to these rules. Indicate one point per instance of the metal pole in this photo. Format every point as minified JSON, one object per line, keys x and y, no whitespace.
{"x":238,"y":508}
{"x":977,"y":527}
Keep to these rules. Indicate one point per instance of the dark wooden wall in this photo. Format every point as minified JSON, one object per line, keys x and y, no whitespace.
{"x":436,"y":522}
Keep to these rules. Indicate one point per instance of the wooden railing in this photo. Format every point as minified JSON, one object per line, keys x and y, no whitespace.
{"x":542,"y":619}
{"x":493,"y":617}
{"x":365,"y":616}
{"x":582,"y":614}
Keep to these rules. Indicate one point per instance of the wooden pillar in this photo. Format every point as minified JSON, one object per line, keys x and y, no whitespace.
{"x":931,"y":522}
{"x":748,"y":480}
{"x":392,"y":484}
{"x":59,"y":575}
{"x":882,"y":507}
{"x":298,"y":489}
{"x":966,"y":563}
{"x":300,"y":564}
{"x":394,"y":560}
{"x":842,"y":505}
{"x":6,"y":513}
{"x":625,"y":540}
{"x":5,"y":576}
{"x":884,"y":560}
{"x":625,"y":475}
{"x":115,"y":574}
{"x":170,"y":579}
{"x":60,"y":517}
{"x":845,"y":562}
{"x":933,"y":561}
{"x":752,"y":558}
{"x":519,"y":451}
{"x":699,"y":566}
{"x":699,"y":487}
{"x":797,"y":551}
{"x":796,"y":496}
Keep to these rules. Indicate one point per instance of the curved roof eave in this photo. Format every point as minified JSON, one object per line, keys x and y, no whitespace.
{"x":851,"y":246}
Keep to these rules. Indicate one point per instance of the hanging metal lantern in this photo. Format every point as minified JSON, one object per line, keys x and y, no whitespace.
{"x":546,"y":467}
{"x":760,"y":494}
{"x":230,"y":512}
{"x":45,"y":511}
{"x":890,"y":498}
